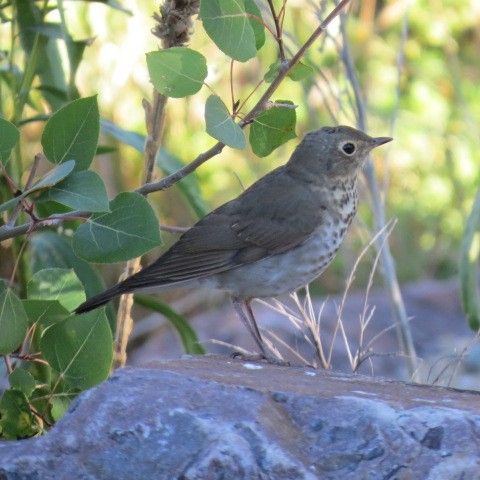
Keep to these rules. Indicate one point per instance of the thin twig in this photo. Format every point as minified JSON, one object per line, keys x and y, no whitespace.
{"x":8,"y":363}
{"x":19,"y":206}
{"x":364,"y":320}
{"x":345,"y":293}
{"x":278,"y":29}
{"x":404,"y":333}
{"x":172,"y":229}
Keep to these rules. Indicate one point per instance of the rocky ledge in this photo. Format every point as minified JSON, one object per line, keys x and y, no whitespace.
{"x":217,"y":418}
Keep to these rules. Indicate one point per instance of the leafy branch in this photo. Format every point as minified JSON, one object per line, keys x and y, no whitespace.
{"x":262,"y":104}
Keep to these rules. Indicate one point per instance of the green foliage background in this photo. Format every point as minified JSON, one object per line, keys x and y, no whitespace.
{"x":432,"y":167}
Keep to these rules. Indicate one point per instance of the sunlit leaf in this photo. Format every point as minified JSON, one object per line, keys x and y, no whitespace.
{"x":128,"y":231}
{"x":177,"y":72}
{"x":272,"y":128}
{"x":220,"y":124}
{"x":258,"y":28}
{"x":227,"y":24}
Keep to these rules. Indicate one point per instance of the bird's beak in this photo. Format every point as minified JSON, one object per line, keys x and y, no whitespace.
{"x":376,"y":142}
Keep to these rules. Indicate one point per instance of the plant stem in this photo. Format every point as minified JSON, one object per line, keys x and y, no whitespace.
{"x":404,"y":333}
{"x":278,"y":29}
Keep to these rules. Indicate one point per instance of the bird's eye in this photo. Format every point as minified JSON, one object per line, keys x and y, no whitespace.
{"x":348,"y":148}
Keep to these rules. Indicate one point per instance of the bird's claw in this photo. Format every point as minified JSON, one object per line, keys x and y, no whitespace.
{"x":259,"y":357}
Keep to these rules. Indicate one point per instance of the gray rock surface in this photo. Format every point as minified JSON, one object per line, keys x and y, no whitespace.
{"x":217,"y":418}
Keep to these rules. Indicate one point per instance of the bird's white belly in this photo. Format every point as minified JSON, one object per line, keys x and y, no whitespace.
{"x":285,"y":272}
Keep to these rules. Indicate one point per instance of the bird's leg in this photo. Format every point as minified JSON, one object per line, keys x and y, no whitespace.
{"x":245,"y":312}
{"x":249,"y":321}
{"x":248,"y":308}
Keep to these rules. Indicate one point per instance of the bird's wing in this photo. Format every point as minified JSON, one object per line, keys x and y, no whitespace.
{"x":272,"y":216}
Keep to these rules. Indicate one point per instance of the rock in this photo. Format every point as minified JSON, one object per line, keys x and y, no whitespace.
{"x":216,"y":418}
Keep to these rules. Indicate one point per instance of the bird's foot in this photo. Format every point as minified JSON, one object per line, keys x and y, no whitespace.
{"x":259,"y":357}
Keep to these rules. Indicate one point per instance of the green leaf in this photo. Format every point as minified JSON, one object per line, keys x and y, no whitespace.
{"x":258,"y":27}
{"x":22,"y":380}
{"x":9,"y":137}
{"x":57,"y":284}
{"x":13,"y":322}
{"x":470,"y":254}
{"x":52,"y":250}
{"x":82,"y":191}
{"x":45,"y":312}
{"x":227,"y":25}
{"x":128,"y":137}
{"x":44,"y":57}
{"x":177,"y":72}
{"x":187,"y":334}
{"x":54,"y":176}
{"x":60,"y":406}
{"x":299,"y":72}
{"x":80,"y":348}
{"x":169,"y":163}
{"x":49,"y":29}
{"x":272,"y":128}
{"x":16,"y":419}
{"x":130,"y":230}
{"x":72,"y":133}
{"x":220,"y":124}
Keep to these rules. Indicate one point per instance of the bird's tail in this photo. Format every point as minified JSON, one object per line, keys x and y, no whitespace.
{"x":102,"y":298}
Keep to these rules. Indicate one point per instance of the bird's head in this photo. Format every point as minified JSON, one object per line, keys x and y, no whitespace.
{"x":334,"y":151}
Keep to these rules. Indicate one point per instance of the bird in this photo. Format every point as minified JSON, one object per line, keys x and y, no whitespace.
{"x":274,"y":238}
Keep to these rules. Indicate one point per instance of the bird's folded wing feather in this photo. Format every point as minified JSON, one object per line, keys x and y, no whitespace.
{"x":272,"y":216}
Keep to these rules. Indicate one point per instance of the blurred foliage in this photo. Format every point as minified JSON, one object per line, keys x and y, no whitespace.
{"x":431,"y":168}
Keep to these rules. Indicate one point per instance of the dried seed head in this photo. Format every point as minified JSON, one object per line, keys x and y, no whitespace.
{"x":174,"y":23}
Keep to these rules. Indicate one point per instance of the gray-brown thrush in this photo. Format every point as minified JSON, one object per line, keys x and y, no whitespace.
{"x":277,"y":236}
